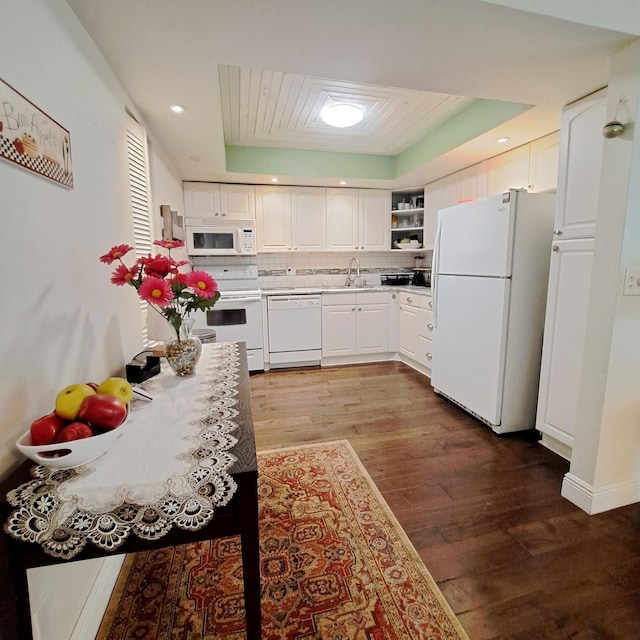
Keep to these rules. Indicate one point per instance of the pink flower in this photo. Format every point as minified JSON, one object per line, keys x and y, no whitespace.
{"x":169,"y":244}
{"x":158,"y":266}
{"x":123,"y":275}
{"x":202,"y":283}
{"x":156,"y":291}
{"x":115,"y":253}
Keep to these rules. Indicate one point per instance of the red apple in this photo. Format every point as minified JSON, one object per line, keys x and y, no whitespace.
{"x":45,"y":429}
{"x":74,"y":431}
{"x":103,"y":411}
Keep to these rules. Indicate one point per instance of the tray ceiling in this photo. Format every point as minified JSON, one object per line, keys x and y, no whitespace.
{"x":276,"y":109}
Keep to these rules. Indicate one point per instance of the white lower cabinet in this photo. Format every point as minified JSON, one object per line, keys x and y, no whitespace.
{"x":564,"y":336}
{"x":355,"y":324}
{"x":416,"y":331}
{"x":338,"y":329}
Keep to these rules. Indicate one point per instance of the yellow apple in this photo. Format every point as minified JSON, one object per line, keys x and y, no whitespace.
{"x":68,"y":401}
{"x":117,"y":387}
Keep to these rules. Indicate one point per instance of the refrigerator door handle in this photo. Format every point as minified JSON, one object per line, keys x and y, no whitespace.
{"x":435,"y":272}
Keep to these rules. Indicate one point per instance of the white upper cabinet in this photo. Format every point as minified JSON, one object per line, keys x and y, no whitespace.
{"x":237,"y":202}
{"x":509,"y":170}
{"x":543,"y":163}
{"x":358,"y":219}
{"x":319,"y":219}
{"x":220,"y":201}
{"x":273,"y":218}
{"x":471,"y":183}
{"x":374,"y":219}
{"x":309,"y":215}
{"x":468,"y":184}
{"x":201,"y":199}
{"x":342,"y":219}
{"x":581,"y":143}
{"x":437,"y":195}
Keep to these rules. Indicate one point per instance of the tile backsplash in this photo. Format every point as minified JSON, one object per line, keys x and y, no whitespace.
{"x":307,"y":269}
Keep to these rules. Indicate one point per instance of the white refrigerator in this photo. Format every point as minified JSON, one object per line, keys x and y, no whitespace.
{"x":490,"y":273}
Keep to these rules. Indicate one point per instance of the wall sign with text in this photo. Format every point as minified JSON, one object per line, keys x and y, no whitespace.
{"x":31,"y":139}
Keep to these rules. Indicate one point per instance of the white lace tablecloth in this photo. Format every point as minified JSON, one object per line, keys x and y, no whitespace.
{"x":170,"y":467}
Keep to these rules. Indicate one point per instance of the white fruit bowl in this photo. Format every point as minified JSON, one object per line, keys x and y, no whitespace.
{"x":65,"y":455}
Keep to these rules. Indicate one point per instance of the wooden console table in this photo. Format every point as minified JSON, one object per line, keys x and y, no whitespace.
{"x":238,"y":517}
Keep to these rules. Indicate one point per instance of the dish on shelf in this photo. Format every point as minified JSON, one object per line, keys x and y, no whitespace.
{"x":412,"y":244}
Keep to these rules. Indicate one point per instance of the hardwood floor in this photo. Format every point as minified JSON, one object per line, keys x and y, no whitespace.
{"x":514,"y":559}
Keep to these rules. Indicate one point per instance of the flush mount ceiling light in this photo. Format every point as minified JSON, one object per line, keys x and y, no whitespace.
{"x":176,"y":108}
{"x":502,"y":140}
{"x":341,"y":114}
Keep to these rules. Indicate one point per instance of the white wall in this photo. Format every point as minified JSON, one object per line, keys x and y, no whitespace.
{"x":61,"y":320}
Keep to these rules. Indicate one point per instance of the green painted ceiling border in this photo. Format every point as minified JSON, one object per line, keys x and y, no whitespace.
{"x":294,"y":162}
{"x":479,"y":117}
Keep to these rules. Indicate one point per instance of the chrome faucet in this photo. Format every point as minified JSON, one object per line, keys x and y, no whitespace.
{"x":349,"y":281}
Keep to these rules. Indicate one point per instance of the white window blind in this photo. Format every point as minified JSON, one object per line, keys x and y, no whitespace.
{"x":139,"y":190}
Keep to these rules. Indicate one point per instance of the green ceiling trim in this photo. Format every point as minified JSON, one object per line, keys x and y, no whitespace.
{"x":476,"y":119}
{"x":294,"y":162}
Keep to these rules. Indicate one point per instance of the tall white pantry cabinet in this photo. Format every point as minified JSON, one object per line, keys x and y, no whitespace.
{"x":581,"y":143}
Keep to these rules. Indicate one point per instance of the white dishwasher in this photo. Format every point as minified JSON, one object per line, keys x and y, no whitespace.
{"x":295,"y":330}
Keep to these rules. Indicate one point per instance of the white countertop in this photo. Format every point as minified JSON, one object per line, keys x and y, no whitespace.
{"x":287,"y":291}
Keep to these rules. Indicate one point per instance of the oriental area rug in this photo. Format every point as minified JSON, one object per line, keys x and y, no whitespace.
{"x":335,"y":565}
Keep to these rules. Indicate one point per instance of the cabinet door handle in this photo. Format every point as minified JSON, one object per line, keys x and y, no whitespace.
{"x":430,"y":326}
{"x":409,"y":300}
{"x":353,"y":308}
{"x":429,"y":356}
{"x":557,"y":232}
{"x":430,"y":304}
{"x":359,"y":308}
{"x":555,"y":248}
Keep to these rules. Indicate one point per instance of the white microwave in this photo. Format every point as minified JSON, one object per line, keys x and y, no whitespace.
{"x":204,"y":237}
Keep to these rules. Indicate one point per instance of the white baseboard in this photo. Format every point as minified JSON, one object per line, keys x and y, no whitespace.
{"x":598,"y":499}
{"x":91,"y":616}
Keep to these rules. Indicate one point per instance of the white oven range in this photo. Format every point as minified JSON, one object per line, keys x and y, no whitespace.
{"x":237,"y":315}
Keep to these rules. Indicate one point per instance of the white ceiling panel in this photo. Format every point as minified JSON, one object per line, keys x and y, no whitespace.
{"x":277,"y":109}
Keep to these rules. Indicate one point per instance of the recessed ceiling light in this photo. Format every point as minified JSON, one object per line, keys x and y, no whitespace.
{"x":343,"y":182}
{"x":274,"y":179}
{"x":502,"y":140}
{"x":176,"y":108}
{"x":342,"y":115}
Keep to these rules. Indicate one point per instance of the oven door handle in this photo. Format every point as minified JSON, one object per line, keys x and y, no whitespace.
{"x":223,"y":299}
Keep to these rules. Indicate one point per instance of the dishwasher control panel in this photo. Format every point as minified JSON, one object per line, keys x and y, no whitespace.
{"x":294,"y":302}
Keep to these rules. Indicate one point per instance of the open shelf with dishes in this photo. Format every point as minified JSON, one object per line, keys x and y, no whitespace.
{"x":407,"y":219}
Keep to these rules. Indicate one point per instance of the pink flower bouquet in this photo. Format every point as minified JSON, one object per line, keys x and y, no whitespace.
{"x":158,"y":280}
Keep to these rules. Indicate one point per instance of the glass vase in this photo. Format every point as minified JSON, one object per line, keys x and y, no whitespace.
{"x":183,"y":354}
